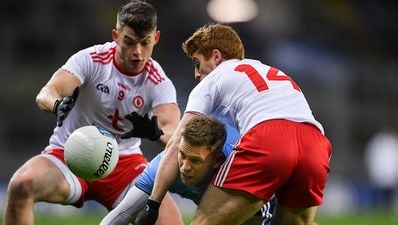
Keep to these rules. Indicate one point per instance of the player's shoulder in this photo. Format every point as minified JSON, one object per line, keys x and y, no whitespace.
{"x":102,"y":53}
{"x":238,"y":66}
{"x":229,"y":65}
{"x":153,"y":66}
{"x":99,"y":48}
{"x":232,"y":63}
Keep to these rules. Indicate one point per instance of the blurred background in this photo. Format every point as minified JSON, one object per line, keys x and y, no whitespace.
{"x":342,"y":53}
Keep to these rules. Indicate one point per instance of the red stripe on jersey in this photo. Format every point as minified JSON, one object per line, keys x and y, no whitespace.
{"x":98,"y":57}
{"x":104,"y":61}
{"x":111,"y":50}
{"x":103,"y":57}
{"x":156,"y":74}
{"x":153,"y":74}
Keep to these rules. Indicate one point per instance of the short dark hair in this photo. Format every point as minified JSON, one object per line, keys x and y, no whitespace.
{"x":205,"y":131}
{"x":139,"y":16}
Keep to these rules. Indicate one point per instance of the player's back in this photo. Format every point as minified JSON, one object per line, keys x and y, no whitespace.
{"x":247,"y":92}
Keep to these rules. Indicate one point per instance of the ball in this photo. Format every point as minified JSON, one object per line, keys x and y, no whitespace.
{"x":91,"y":152}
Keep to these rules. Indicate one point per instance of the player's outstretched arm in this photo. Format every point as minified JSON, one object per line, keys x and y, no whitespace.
{"x":61,"y":85}
{"x":124,"y":213}
{"x":166,"y":174}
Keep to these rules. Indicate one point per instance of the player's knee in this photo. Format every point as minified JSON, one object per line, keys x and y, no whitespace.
{"x":20,"y":187}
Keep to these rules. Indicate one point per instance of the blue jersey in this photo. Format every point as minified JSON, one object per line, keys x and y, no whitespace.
{"x":147,"y":178}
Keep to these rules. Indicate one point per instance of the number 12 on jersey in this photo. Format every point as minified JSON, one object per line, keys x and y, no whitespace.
{"x":258,"y":80}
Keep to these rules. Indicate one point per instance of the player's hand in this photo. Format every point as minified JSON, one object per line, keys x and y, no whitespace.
{"x":143,"y":127}
{"x":150,"y":214}
{"x":63,"y":106}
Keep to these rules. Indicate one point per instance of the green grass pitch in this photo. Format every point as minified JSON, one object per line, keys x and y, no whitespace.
{"x":355,"y":219}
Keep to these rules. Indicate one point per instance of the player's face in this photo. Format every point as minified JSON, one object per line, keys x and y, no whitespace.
{"x":196,"y":164}
{"x":133,"y":52}
{"x":202,"y":65}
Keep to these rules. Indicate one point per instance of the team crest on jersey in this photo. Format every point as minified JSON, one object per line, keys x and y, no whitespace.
{"x":138,"y":102}
{"x":103,"y":88}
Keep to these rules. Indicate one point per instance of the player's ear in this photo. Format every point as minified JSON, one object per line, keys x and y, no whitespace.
{"x":115,"y":36}
{"x":217,"y":56}
{"x":157,"y":36}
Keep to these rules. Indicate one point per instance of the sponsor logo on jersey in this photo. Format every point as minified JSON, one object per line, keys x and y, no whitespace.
{"x":124,"y":86}
{"x":103,"y":88}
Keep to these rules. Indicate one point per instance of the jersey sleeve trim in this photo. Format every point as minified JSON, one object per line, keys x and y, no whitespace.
{"x":78,"y":77}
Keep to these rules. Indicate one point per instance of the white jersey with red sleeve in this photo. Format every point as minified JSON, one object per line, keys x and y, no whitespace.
{"x":246,"y":92}
{"x":107,"y":95}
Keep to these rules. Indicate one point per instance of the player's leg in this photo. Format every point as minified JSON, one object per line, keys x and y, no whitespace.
{"x":225,"y":207}
{"x":168,"y":212}
{"x":264,"y":215}
{"x":287,"y":216}
{"x":254,"y":220}
{"x":303,"y":192}
{"x":300,"y":195}
{"x":37,"y":180}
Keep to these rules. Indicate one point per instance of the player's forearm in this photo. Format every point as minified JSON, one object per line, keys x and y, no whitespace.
{"x":166,"y":173}
{"x":61,"y":84}
{"x":168,"y":167}
{"x":168,"y":132}
{"x":168,"y":119}
{"x":132,"y":203}
{"x":46,"y":98}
